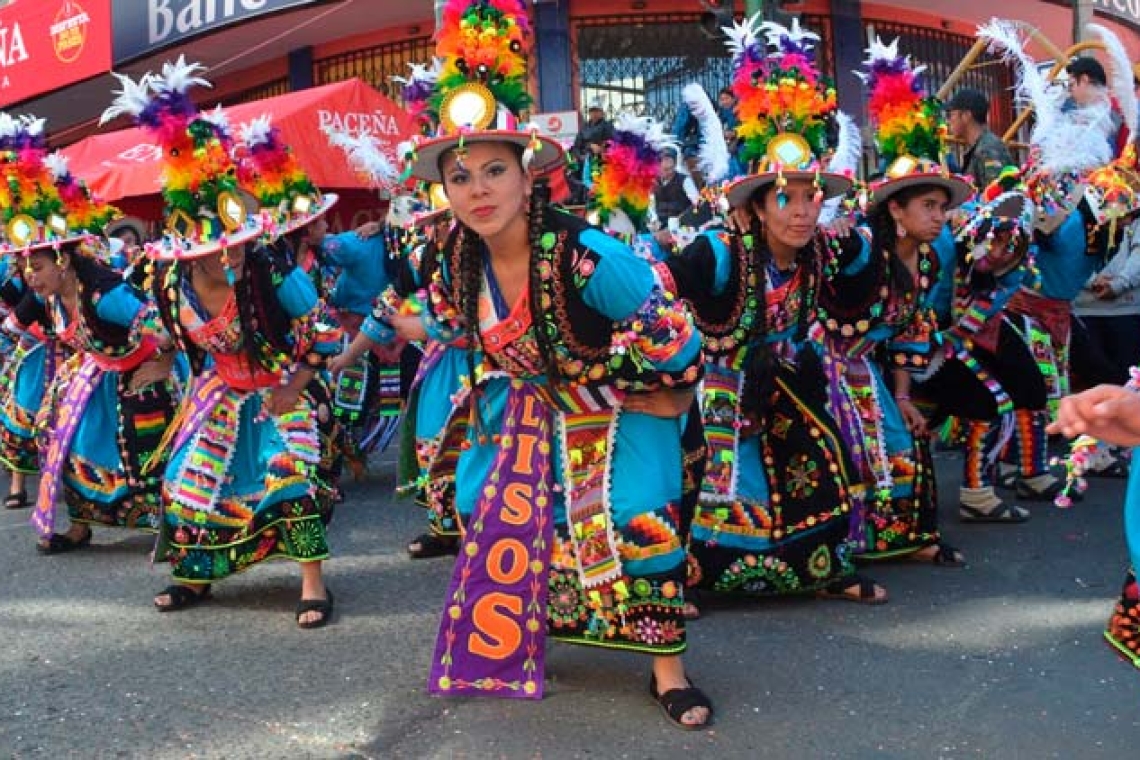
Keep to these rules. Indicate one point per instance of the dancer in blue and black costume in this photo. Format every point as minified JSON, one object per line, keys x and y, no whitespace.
{"x":775,"y":505}
{"x":109,"y":406}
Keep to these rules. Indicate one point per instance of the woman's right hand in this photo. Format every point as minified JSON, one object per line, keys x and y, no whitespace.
{"x":913,"y":418}
{"x":339,"y":363}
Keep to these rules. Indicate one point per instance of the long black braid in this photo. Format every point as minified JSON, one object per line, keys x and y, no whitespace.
{"x":760,"y":365}
{"x":539,"y":203}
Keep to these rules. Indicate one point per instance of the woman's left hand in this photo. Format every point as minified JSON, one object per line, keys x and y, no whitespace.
{"x":663,"y":403}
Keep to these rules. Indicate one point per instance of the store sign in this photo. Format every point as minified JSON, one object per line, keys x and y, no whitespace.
{"x":48,"y":44}
{"x":1124,"y":11}
{"x":143,"y":26}
{"x":558,"y":125}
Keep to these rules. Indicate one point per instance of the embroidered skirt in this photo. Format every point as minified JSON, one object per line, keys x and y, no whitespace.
{"x":895,"y":474}
{"x":243,"y":486}
{"x":435,"y":426}
{"x":635,"y":460}
{"x":22,"y":387}
{"x":101,"y":437}
{"x":1123,"y":631}
{"x":774,"y":507}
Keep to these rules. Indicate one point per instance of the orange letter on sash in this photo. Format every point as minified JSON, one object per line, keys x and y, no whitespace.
{"x":519,"y":561}
{"x":497,"y":636}
{"x":524,"y":454}
{"x":516,"y":503}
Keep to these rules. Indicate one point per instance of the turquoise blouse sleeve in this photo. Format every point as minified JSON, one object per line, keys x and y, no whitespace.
{"x":297,"y":294}
{"x":119,"y":306}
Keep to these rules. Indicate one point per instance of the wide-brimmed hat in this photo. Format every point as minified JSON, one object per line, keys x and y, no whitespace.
{"x":480,"y":90}
{"x":206,"y":212}
{"x":909,"y":127}
{"x":785,"y":107}
{"x":268,"y":170}
{"x":1112,"y":192}
{"x":1004,"y":204}
{"x":132,"y":223}
{"x":42,"y":204}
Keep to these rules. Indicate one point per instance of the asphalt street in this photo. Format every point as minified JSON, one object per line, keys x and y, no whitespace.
{"x":1003,"y":659}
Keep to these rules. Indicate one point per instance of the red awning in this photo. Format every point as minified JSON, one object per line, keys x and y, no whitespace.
{"x":127,"y":164}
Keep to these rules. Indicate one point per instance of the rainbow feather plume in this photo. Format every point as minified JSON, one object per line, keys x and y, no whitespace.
{"x":780,"y":91}
{"x":629,"y":167}
{"x":906,"y":121}
{"x":267,"y":166}
{"x":197,"y":148}
{"x":84,"y":211}
{"x":484,"y":41}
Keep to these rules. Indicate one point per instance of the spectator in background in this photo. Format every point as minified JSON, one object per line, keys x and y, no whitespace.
{"x":966,"y":115}
{"x":588,"y":145}
{"x":1088,"y":85}
{"x":1109,"y":305}
{"x":726,"y":108}
{"x":674,"y":193}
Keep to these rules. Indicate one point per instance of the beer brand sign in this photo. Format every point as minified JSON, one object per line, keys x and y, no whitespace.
{"x":1124,"y":11}
{"x":145,"y":26}
{"x":49,"y":44}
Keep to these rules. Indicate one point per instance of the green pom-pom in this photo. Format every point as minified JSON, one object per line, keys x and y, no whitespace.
{"x":548,"y":241}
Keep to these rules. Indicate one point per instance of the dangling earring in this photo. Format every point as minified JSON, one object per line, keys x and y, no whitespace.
{"x":59,"y":260}
{"x":900,"y":231}
{"x":226,"y":267}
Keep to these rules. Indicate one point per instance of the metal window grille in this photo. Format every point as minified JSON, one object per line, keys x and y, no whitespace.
{"x":641,"y":63}
{"x":376,"y":65}
{"x":940,"y":52}
{"x":269,"y":89}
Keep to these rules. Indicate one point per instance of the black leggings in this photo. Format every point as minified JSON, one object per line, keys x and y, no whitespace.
{"x":958,"y":392}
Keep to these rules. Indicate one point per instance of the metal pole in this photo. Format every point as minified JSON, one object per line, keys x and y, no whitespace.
{"x":1082,"y":15}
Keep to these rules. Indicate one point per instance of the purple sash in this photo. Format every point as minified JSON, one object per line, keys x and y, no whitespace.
{"x":493,"y":630}
{"x":68,"y":413}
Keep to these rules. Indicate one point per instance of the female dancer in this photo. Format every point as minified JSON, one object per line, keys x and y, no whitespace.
{"x":569,"y":322}
{"x":117,"y":383}
{"x":250,"y":470}
{"x":773,"y":512}
{"x":880,"y":308}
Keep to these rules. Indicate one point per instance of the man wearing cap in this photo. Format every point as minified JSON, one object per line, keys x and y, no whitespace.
{"x":591,"y":139}
{"x":966,"y":115}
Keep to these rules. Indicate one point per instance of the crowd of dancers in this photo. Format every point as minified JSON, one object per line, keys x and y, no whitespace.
{"x":600,"y":420}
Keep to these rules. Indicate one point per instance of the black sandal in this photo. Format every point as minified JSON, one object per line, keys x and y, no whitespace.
{"x":428,"y":545}
{"x":944,"y":556}
{"x":60,"y":543}
{"x":17,"y":500}
{"x":1048,"y":493}
{"x":838,"y":591}
{"x":1002,"y":513}
{"x":182,"y":597}
{"x":323,"y":606}
{"x":676,"y":702}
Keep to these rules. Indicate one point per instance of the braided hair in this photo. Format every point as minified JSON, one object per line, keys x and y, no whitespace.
{"x":470,"y":277}
{"x":761,"y":364}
